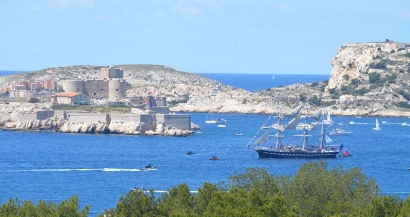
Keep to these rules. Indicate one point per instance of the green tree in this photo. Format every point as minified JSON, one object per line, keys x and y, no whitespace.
{"x":135,"y":203}
{"x":69,"y":207}
{"x":316,"y":191}
{"x":178,"y":202}
{"x":34,"y":100}
{"x":384,"y":206}
{"x":405,"y":209}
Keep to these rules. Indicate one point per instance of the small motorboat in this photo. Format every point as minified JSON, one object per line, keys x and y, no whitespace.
{"x":405,"y":124}
{"x":239,"y":134}
{"x":148,"y":167}
{"x":352,"y":122}
{"x":214,"y":158}
{"x":190,"y":152}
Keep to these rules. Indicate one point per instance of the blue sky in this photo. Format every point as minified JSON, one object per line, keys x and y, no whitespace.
{"x":197,"y":36}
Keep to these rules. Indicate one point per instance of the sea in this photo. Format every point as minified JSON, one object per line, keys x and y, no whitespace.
{"x":52,"y":166}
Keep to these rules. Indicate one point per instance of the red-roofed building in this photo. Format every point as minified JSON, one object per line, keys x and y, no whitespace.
{"x":71,"y":98}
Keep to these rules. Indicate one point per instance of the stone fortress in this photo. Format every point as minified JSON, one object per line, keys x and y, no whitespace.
{"x":111,"y":85}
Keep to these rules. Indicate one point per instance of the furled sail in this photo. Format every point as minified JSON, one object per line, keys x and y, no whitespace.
{"x":295,"y":112}
{"x":292,"y":123}
{"x":264,"y":138}
{"x":316,"y":115}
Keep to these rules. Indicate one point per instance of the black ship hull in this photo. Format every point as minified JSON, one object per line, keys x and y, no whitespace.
{"x":265,"y":153}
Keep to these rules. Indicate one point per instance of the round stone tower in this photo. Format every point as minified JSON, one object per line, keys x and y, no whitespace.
{"x":116,"y":89}
{"x":74,"y":86}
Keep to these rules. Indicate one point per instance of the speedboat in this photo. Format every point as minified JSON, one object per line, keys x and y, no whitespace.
{"x":239,"y":134}
{"x":190,"y":152}
{"x":148,"y":167}
{"x":405,"y":124}
{"x":214,"y":158}
{"x":352,"y":122}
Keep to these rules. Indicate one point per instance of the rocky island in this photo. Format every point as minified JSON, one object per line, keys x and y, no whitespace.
{"x":367,"y":79}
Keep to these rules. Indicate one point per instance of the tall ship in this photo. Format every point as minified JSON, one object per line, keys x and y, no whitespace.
{"x":323,"y":148}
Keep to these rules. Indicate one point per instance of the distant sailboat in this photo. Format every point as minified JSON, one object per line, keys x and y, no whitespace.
{"x":211,"y":120}
{"x":377,"y":125}
{"x":273,"y":77}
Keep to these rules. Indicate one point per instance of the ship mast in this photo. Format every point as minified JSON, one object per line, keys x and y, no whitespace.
{"x":322,"y":136}
{"x":278,"y":128}
{"x":305,"y":135}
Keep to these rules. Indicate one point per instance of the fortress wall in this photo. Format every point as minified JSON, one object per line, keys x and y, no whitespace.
{"x":100,"y":87}
{"x":74,"y":86}
{"x":59,"y":113}
{"x":150,"y":122}
{"x":86,"y":117}
{"x":38,"y":115}
{"x":116,"y":89}
{"x":42,"y":115}
{"x":160,"y":118}
{"x":23,"y":117}
{"x":182,"y":121}
{"x":161,"y":110}
{"x":161,"y":101}
{"x":125,"y":117}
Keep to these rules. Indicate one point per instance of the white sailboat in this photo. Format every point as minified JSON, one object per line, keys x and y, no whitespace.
{"x":328,"y":119}
{"x":377,"y":125}
{"x":210,"y":120}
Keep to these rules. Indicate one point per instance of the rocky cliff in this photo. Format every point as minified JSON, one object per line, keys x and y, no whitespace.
{"x":383,"y":66}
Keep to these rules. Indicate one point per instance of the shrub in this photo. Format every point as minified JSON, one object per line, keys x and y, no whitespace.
{"x":379,"y":65}
{"x":362,"y":91}
{"x":346,"y":77}
{"x":302,"y":97}
{"x":355,"y":82}
{"x":401,"y":71}
{"x":374,"y":77}
{"x":392,"y":51}
{"x":404,"y":94}
{"x":315,"y":101}
{"x":34,"y":100}
{"x":402,"y":105}
{"x":314,"y":84}
{"x":322,"y":88}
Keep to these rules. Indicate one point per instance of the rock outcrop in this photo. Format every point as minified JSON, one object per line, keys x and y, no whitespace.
{"x":359,"y":60}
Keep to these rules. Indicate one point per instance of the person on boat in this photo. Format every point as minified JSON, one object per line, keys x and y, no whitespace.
{"x":345,"y":153}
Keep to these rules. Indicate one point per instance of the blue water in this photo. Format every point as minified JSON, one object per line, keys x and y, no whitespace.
{"x":3,"y":73}
{"x":257,"y":82}
{"x":55,"y":166}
